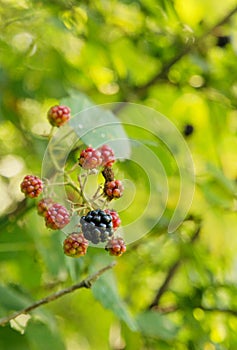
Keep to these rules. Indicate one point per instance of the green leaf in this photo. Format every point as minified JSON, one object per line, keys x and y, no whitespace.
{"x":12,"y":299}
{"x":11,"y":339}
{"x":95,"y":125}
{"x":216,"y":194}
{"x":77,"y":101}
{"x":41,"y":336}
{"x":227,"y":184}
{"x":105,"y":291}
{"x":153,"y":324}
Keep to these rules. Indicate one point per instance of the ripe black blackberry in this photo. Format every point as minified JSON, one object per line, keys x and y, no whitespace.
{"x":97,"y":226}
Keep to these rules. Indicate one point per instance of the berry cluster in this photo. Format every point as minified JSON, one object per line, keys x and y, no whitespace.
{"x":56,"y":215}
{"x":97,"y":225}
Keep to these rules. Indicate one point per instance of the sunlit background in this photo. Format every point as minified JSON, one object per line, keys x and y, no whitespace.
{"x":178,"y":57}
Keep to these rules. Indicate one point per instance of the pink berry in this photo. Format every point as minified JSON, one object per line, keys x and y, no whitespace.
{"x":56,"y":217}
{"x":43,"y":205}
{"x":113,"y":189}
{"x":107,"y":155}
{"x":116,"y":246}
{"x":90,"y":158}
{"x":31,"y":186}
{"x":75,"y":245}
{"x":58,"y":115}
{"x":115,"y":218}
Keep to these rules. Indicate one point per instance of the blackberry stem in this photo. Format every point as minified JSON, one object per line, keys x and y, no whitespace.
{"x":73,"y":168}
{"x":97,"y":193}
{"x":50,"y":135}
{"x":86,"y":283}
{"x":81,"y":191}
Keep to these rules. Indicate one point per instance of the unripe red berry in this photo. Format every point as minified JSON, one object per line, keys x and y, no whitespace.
{"x":31,"y":186}
{"x":116,"y":246}
{"x":43,"y":205}
{"x":58,"y":115}
{"x":113,"y":189}
{"x":115,"y":218}
{"x":107,"y":155}
{"x":56,"y":217}
{"x":90,"y":158}
{"x":75,"y":245}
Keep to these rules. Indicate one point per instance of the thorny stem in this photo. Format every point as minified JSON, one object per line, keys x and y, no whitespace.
{"x":86,"y":283}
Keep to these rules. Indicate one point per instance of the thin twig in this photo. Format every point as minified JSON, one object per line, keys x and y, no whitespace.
{"x":173,"y":308}
{"x":165,"y":284}
{"x":170,"y":275}
{"x":86,"y":283}
{"x":165,"y":309}
{"x":82,"y":193}
{"x":216,"y":309}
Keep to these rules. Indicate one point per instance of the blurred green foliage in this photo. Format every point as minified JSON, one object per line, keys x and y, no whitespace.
{"x":178,"y":57}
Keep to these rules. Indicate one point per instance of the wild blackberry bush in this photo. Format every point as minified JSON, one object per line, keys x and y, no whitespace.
{"x":97,"y":223}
